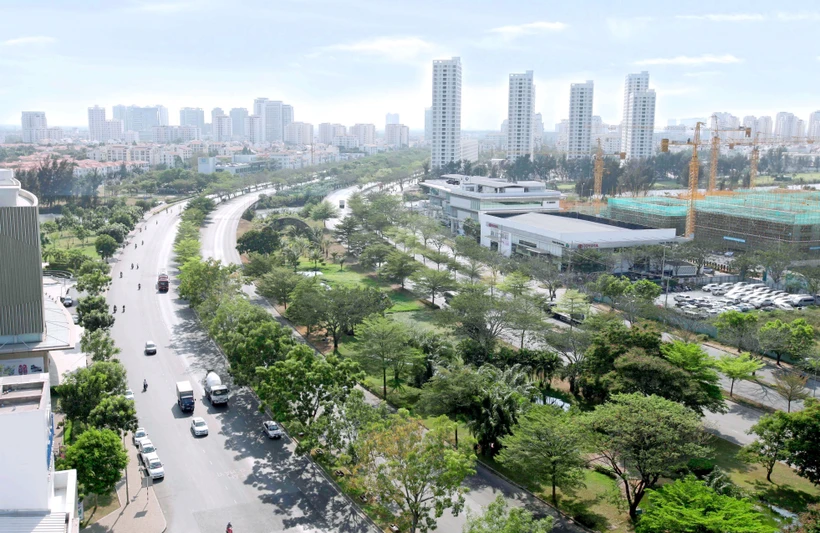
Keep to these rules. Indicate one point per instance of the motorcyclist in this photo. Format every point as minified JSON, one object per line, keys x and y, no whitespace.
{"x":123,"y":308}
{"x":229,"y":529}
{"x":138,"y":266}
{"x":144,"y":385}
{"x":142,"y":243}
{"x":132,"y":266}
{"x":120,"y":274}
{"x":139,"y":286}
{"x":135,"y":245}
{"x":115,"y":308}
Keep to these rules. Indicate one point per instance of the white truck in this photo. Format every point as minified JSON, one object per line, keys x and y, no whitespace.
{"x":216,"y":392}
{"x":185,"y":396}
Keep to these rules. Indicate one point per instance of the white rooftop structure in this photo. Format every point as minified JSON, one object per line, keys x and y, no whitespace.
{"x":541,"y":234}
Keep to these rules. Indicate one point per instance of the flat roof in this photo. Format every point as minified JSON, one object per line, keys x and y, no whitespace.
{"x":563,"y":224}
{"x":22,"y":393}
{"x":58,"y":334}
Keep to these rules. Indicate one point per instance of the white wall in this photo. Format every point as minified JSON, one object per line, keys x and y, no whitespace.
{"x":24,"y":473}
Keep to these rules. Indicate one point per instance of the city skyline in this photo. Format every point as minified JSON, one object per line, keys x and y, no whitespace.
{"x":347,"y":79}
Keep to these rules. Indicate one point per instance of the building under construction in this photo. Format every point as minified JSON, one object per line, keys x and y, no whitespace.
{"x":741,"y":220}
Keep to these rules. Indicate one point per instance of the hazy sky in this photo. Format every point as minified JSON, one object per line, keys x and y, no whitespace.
{"x":355,"y":60}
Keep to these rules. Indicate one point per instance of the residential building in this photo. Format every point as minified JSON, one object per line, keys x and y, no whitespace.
{"x":520,"y":110}
{"x":786,"y":125}
{"x":580,"y":120}
{"x":259,"y":111}
{"x":173,"y":134}
{"x":96,"y":124}
{"x":120,"y":112}
{"x":814,"y":126}
{"x":366,"y":133}
{"x":638,"y":125}
{"x":346,"y":142}
{"x":142,"y":119}
{"x":469,"y":149}
{"x":239,"y":119}
{"x":256,"y":129}
{"x":727,"y":125}
{"x":299,"y":133}
{"x":221,"y":128}
{"x":455,"y":198}
{"x":192,"y":116}
{"x":273,"y":121}
{"x":537,"y":234}
{"x":428,"y":124}
{"x":495,"y":141}
{"x":287,"y":117}
{"x":537,"y":130}
{"x":396,"y":135}
{"x":764,"y":126}
{"x":446,"y":143}
{"x":328,"y":131}
{"x":34,"y":126}
{"x":562,"y":133}
{"x":750,"y":122}
{"x":391,"y":118}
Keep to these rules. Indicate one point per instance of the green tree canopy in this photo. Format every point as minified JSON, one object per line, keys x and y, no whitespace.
{"x":498,"y":518}
{"x":737,"y":328}
{"x":792,"y":339}
{"x":99,"y":344}
{"x":769,"y":447}
{"x":85,"y":388}
{"x":387,"y":342}
{"x":106,"y":246}
{"x":738,"y":367}
{"x":115,"y":413}
{"x":99,"y":458}
{"x":263,"y":240}
{"x":429,"y":281}
{"x":399,"y":267}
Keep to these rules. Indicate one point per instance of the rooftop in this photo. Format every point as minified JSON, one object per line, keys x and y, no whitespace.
{"x":563,"y":224}
{"x":23,"y":393}
{"x":58,"y":333}
{"x":11,"y":193}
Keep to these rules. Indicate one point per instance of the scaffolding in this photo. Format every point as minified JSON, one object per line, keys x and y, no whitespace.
{"x":742,"y":220}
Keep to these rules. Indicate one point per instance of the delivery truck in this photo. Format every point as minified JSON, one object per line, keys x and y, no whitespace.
{"x":185,"y":396}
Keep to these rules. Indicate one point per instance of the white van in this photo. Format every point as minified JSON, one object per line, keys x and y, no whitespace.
{"x":802,"y":300}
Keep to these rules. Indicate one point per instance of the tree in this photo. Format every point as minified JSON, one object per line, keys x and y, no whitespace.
{"x":791,"y":386}
{"x":810,"y":520}
{"x":545,"y":446}
{"x":99,"y":458}
{"x":399,"y":267}
{"x":264,"y":240}
{"x":775,"y":260}
{"x":769,"y":447}
{"x":429,"y":281}
{"x":416,"y":471}
{"x":115,"y":413}
{"x":738,"y":328}
{"x":803,"y":446}
{"x":324,"y":211}
{"x":85,"y":388}
{"x":515,"y":283}
{"x":279,"y":284}
{"x":95,"y":320}
{"x":305,"y":384}
{"x":573,"y":304}
{"x":479,"y":316}
{"x":792,"y":339}
{"x":93,"y":282}
{"x":689,"y":505}
{"x":472,"y":229}
{"x":200,"y":279}
{"x":346,"y":229}
{"x":452,"y":392}
{"x":642,"y":438}
{"x":497,"y":518}
{"x":342,"y":426}
{"x":640,"y":295}
{"x":506,"y":395}
{"x":526,"y":316}
{"x":374,"y":255}
{"x":105,"y":245}
{"x":738,"y":367}
{"x":307,"y":304}
{"x":99,"y":344}
{"x":387,"y":342}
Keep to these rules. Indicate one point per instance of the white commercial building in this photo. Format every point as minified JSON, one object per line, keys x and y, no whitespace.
{"x":222,"y":128}
{"x":397,"y":135}
{"x":455,"y":198}
{"x":346,"y":142}
{"x":256,"y":129}
{"x":191,"y":116}
{"x":446,"y":142}
{"x":34,"y":126}
{"x":328,"y":131}
{"x":520,"y":110}
{"x":638,"y":124}
{"x":366,"y":133}
{"x":239,"y":123}
{"x":580,"y":119}
{"x":539,"y":234}
{"x":299,"y":133}
{"x":469,"y":149}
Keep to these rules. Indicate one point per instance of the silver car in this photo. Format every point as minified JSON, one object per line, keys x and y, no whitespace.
{"x":198,"y":426}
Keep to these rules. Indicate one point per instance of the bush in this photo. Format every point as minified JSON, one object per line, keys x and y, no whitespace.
{"x":700,"y":466}
{"x":605,"y":470}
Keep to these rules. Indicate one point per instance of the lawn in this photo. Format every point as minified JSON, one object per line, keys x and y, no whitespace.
{"x":97,"y":508}
{"x":70,"y":242}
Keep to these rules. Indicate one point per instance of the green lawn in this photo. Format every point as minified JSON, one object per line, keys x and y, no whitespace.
{"x":403,"y":300}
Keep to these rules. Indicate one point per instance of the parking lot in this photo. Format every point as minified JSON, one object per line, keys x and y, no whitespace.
{"x":714,"y":299}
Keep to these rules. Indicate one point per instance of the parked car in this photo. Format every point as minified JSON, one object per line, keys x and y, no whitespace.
{"x":272,"y":429}
{"x":129,"y":394}
{"x":146,"y":447}
{"x":138,"y":436}
{"x":154,"y":466}
{"x":744,"y":307}
{"x":198,"y":426}
{"x":710,"y":287}
{"x":67,"y":301}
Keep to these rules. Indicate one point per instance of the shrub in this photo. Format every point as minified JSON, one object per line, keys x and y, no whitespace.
{"x":700,"y":466}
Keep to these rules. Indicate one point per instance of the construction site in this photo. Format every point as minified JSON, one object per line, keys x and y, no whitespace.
{"x":740,"y":220}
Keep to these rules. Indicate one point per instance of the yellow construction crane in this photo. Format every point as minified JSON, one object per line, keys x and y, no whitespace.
{"x":715,"y":150}
{"x":754,"y":158}
{"x":694,"y":171}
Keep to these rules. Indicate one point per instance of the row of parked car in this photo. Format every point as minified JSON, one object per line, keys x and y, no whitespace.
{"x":740,"y":296}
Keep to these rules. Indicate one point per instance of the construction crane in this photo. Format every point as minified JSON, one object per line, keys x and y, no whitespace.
{"x":598,"y":170}
{"x":754,"y":158}
{"x":694,"y":171}
{"x":715,"y":149}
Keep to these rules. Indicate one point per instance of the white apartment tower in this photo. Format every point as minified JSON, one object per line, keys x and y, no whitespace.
{"x":814,"y":125}
{"x":256,"y":129}
{"x":299,"y":133}
{"x":273,"y":121}
{"x":96,"y":124}
{"x":259,"y":111}
{"x":580,"y":119}
{"x":638,"y":123}
{"x":520,"y":110}
{"x":328,"y":131}
{"x":764,"y":126}
{"x":239,"y":122}
{"x":221,"y":128}
{"x":446,"y":143}
{"x":366,"y":133}
{"x":428,"y":124}
{"x":787,"y":125}
{"x":537,"y":130}
{"x":191,"y":116}
{"x":34,"y":124}
{"x":396,"y":135}
{"x":287,"y":117}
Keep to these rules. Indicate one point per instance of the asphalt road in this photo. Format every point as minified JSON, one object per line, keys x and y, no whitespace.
{"x":219,"y":242}
{"x":234,"y":474}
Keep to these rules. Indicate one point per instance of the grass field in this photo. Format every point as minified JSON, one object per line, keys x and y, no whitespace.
{"x":69,"y":242}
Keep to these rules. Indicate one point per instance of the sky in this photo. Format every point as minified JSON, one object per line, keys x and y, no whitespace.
{"x":356,"y":60}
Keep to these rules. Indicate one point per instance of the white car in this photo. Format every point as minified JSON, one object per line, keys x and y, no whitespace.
{"x":129,"y":394}
{"x":783,"y":306}
{"x":139,"y":435}
{"x":150,"y":348}
{"x":710,"y":287}
{"x":146,"y":447}
{"x":198,"y":426}
{"x":272,"y":429}
{"x":154,"y":466}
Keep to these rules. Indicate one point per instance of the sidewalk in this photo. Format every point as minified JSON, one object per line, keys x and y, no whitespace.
{"x":142,"y":514}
